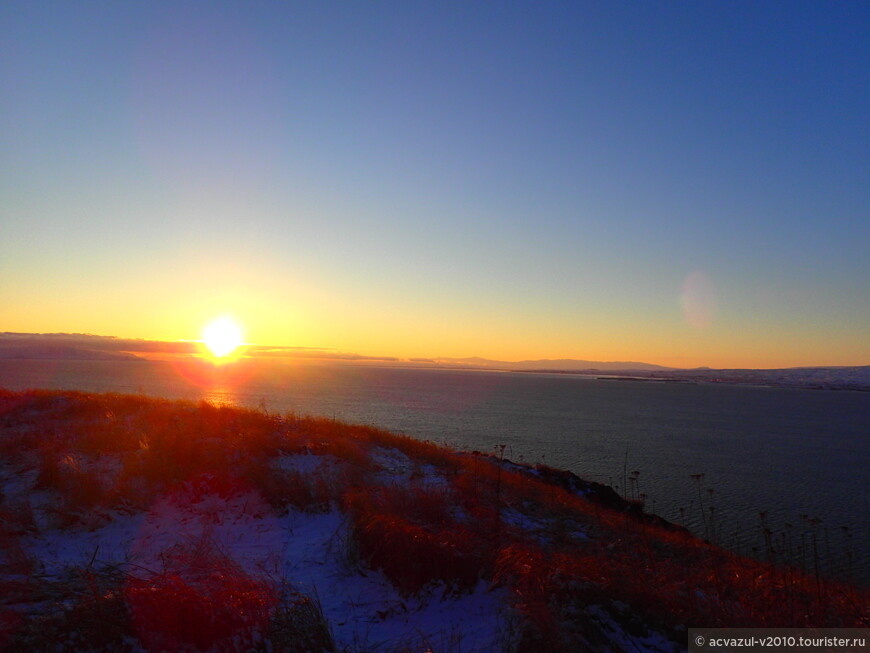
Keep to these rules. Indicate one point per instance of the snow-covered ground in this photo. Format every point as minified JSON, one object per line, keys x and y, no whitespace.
{"x":306,"y":550}
{"x":145,"y":528}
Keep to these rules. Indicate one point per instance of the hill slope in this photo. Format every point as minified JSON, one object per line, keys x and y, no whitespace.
{"x":131,"y":524}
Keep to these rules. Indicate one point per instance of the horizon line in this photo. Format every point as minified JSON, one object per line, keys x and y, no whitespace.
{"x":278,"y":352}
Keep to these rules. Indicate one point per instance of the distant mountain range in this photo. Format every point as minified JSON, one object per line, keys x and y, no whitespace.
{"x":79,"y":346}
{"x":62,"y":352}
{"x":546,"y":364}
{"x":82,"y":346}
{"x":75,"y":346}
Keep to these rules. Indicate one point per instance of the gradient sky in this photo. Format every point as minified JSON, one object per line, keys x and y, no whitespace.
{"x":682,"y":183}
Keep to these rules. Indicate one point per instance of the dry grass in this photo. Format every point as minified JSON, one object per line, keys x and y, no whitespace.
{"x":583,"y":560}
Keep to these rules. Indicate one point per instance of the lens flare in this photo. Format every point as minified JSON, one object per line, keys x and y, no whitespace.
{"x":698,"y":300}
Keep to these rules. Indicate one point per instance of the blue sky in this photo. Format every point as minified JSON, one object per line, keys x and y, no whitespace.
{"x":680,"y":183}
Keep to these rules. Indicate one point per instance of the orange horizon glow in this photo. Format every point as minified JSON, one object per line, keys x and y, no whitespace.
{"x":374,"y":337}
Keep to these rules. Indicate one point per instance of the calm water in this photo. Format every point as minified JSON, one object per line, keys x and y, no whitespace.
{"x":786,"y":452}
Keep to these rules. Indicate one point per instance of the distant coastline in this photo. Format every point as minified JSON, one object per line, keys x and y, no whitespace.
{"x":855,"y":379}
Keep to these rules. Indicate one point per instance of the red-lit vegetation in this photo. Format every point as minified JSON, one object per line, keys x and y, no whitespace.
{"x":201,"y":599}
{"x":576,"y":571}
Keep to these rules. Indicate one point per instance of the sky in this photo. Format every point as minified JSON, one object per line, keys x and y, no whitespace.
{"x":680,"y":183}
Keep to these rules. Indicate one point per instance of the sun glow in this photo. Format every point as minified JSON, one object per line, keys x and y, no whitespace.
{"x":222,"y":337}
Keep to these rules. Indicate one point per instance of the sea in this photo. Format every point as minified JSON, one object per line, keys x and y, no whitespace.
{"x":764,"y":471}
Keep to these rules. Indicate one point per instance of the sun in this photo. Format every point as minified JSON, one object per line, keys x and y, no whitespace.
{"x":222,"y":336}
